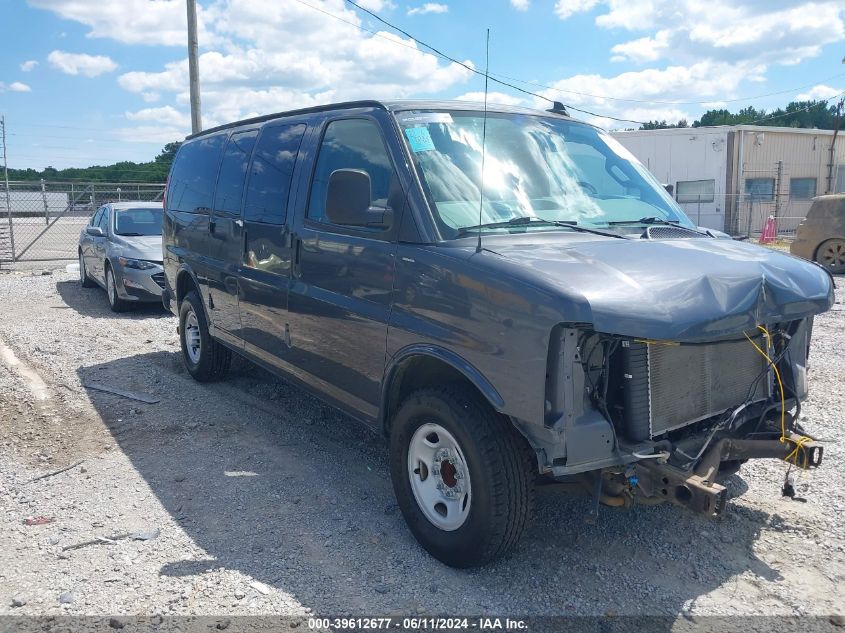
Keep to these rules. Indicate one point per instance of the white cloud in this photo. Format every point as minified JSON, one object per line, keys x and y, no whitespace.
{"x":703,"y":81}
{"x":645,"y":49}
{"x":429,"y":7}
{"x":567,"y":8}
{"x":499,"y":98}
{"x":15,"y":86}
{"x":166,"y":116}
{"x":770,"y":32}
{"x":521,"y":5}
{"x":819,"y":92}
{"x":152,"y":22}
{"x":286,"y":55}
{"x":81,"y":63}
{"x":150,"y":97}
{"x":28,"y":65}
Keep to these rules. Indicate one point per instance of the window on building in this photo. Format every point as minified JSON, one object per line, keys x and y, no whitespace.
{"x":695,"y":190}
{"x":271,"y":173}
{"x":802,"y":188}
{"x":761,"y":189}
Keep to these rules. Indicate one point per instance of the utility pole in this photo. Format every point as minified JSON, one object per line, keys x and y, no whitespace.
{"x":6,"y":180}
{"x":832,"y":161}
{"x":193,"y":67}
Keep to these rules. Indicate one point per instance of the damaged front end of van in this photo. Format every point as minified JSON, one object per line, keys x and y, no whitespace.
{"x":678,"y":375}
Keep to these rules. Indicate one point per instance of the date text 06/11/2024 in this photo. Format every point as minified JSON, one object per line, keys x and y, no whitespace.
{"x":418,"y":623}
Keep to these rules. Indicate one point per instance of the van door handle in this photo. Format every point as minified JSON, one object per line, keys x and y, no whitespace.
{"x":239,"y":222}
{"x":297,"y":255}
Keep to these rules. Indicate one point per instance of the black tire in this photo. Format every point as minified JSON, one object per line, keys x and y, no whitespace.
{"x":84,"y":279}
{"x":831,"y":255}
{"x":214,"y":358}
{"x":115,"y":302}
{"x":501,"y":469}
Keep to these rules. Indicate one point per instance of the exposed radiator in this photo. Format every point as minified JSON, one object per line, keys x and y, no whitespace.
{"x":669,"y":386}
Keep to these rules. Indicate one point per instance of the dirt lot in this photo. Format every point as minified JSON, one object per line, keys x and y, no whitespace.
{"x":249,"y":497}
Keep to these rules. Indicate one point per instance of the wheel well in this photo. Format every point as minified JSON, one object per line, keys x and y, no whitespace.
{"x":184,"y":284}
{"x":415,"y":373}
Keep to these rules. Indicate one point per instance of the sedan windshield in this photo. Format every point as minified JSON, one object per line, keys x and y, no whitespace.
{"x":140,"y":221}
{"x":535,"y":167}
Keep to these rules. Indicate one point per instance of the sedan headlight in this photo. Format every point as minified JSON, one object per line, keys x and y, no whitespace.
{"x":138,"y":264}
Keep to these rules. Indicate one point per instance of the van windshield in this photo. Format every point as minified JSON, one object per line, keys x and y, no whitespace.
{"x":534,"y":167}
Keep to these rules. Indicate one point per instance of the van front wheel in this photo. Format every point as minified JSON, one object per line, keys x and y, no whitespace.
{"x":462,"y":475}
{"x":205,"y":358}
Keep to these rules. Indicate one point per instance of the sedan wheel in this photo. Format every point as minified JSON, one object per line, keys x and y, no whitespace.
{"x":84,"y":280}
{"x":115,"y":302}
{"x":831,"y":255}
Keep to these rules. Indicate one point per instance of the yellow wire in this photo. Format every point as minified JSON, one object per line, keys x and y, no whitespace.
{"x":799,"y":443}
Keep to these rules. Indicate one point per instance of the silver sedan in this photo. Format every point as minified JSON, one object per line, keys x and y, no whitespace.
{"x":120,"y":249}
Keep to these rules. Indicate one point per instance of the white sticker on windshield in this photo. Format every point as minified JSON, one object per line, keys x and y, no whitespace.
{"x":419,"y":118}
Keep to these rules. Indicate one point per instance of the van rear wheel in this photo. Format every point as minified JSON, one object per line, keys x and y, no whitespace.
{"x":206,"y":359}
{"x":463,"y":476}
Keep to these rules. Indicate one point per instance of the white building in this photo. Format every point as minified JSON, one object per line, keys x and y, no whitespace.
{"x":733,"y":177}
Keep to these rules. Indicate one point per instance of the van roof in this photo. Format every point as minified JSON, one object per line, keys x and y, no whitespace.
{"x":391,"y":106}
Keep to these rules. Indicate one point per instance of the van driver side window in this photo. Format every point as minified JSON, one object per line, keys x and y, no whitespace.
{"x":354,"y":144}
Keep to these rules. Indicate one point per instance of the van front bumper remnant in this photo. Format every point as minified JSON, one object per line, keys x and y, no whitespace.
{"x":698,"y":490}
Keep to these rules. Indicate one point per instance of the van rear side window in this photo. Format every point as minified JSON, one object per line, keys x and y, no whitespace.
{"x":191,"y":184}
{"x":233,"y":168}
{"x":271,"y":173}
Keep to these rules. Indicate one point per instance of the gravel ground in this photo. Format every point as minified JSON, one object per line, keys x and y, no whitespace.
{"x":250,"y":497}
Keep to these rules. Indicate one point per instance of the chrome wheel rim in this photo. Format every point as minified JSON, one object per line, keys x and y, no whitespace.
{"x":110,"y":289}
{"x":439,"y":476}
{"x":81,"y":268}
{"x":833,"y":255}
{"x":193,"y":341}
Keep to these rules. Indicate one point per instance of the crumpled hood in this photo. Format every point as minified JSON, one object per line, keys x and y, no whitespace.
{"x":683,"y":289}
{"x":139,"y":247}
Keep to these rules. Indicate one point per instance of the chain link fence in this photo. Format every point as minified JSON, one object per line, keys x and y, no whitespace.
{"x":42,"y":220}
{"x":747,"y":215}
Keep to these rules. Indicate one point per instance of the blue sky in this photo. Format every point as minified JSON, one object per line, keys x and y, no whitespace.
{"x":91,"y":81}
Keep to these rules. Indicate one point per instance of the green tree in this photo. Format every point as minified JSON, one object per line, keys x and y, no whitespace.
{"x":154,"y":171}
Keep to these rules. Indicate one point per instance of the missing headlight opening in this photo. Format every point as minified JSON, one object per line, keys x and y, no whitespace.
{"x":683,"y":415}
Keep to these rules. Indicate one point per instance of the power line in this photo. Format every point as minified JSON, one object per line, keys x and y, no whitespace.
{"x":494,"y":76}
{"x":436,"y":51}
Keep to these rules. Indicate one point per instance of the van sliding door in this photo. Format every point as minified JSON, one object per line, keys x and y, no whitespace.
{"x":265,"y":273}
{"x":225,"y":236}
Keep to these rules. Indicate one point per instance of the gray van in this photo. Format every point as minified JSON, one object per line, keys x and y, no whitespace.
{"x":564,"y":322}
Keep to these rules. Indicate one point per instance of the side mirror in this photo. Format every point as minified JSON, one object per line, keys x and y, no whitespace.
{"x":94,"y":231}
{"x":348,"y":201}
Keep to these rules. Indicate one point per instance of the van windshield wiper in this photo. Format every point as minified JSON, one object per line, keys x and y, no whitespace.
{"x":524,"y":220}
{"x":647,"y":220}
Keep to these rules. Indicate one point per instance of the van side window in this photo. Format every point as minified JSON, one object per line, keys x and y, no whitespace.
{"x":353,"y":144}
{"x":191,"y":185}
{"x":233,"y":168}
{"x":271,"y":173}
{"x":95,"y":219}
